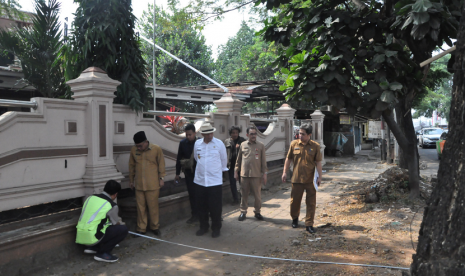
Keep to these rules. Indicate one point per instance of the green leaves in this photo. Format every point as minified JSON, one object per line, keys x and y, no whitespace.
{"x":290,"y":82}
{"x":395,"y":86}
{"x":421,"y":5}
{"x":388,"y":97}
{"x":390,"y":53}
{"x":40,"y":50}
{"x":298,"y":59}
{"x":321,"y":68}
{"x":104,"y":37}
{"x":420,"y":18}
{"x":363,"y":60}
{"x":379,"y":58}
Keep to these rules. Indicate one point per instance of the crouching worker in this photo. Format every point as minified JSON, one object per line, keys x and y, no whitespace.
{"x":99,"y":226}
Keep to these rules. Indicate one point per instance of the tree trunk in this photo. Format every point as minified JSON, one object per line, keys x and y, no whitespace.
{"x":441,"y":244}
{"x":407,"y":143}
{"x":400,"y":111}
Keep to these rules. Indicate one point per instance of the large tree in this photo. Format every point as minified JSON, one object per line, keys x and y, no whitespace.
{"x":39,"y":48}
{"x":104,"y":37}
{"x":180,"y":34}
{"x":229,"y":54}
{"x":441,"y":244}
{"x":363,"y":56}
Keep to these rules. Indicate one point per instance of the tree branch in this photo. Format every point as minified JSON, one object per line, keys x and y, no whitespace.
{"x":226,"y":11}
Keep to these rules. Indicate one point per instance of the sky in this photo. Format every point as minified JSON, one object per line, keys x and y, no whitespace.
{"x":216,"y":33}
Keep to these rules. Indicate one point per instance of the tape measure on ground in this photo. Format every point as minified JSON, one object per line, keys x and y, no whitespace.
{"x":267,"y":258}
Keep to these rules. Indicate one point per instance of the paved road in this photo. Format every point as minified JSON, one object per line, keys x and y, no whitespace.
{"x":430,"y":156}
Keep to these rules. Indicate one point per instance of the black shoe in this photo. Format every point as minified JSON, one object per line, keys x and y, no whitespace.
{"x":311,"y":229}
{"x":193,"y":219}
{"x":215,"y":234}
{"x":200,"y":232}
{"x":105,"y":257}
{"x":242,"y":217}
{"x":259,"y":216}
{"x":137,"y":236}
{"x":295,"y":223}
{"x":156,"y":232}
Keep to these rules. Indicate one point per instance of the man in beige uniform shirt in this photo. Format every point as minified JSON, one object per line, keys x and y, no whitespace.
{"x":146,"y":174}
{"x":251,"y":163}
{"x":306,"y":155}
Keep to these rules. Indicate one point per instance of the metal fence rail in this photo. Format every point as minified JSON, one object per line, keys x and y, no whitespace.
{"x":11,"y":103}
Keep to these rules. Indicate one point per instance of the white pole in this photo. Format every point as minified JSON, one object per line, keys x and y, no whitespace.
{"x":154,"y":69}
{"x":438,"y":56}
{"x":186,"y":64}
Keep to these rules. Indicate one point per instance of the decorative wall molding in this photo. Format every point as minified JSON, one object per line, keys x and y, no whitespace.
{"x":274,"y":140}
{"x":121,"y":149}
{"x":17,"y":155}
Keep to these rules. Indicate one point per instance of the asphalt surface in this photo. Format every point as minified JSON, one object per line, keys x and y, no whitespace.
{"x":428,"y":154}
{"x":430,"y":157}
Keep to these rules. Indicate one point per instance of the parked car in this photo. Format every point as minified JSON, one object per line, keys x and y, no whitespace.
{"x":440,"y":144}
{"x":429,"y":136}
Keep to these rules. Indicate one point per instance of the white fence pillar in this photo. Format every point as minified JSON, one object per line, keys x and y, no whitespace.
{"x":287,"y":113}
{"x":231,"y":106}
{"x":317,"y":124}
{"x":95,"y":87}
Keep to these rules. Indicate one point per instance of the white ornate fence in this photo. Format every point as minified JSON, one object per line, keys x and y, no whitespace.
{"x":69,"y":148}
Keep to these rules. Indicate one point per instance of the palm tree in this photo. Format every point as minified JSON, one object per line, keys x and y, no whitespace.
{"x":39,"y":48}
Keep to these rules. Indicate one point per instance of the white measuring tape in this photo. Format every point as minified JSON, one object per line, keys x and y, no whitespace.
{"x":269,"y":258}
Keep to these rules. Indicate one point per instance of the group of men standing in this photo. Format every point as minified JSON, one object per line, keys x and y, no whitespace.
{"x":203,"y":162}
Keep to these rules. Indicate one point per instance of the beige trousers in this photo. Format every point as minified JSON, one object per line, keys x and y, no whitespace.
{"x":253,"y":184}
{"x":147,"y":200}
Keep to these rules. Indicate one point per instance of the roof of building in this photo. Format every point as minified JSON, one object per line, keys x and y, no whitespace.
{"x":257,"y":90}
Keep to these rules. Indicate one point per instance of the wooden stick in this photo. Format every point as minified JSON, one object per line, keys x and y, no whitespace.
{"x":428,"y":61}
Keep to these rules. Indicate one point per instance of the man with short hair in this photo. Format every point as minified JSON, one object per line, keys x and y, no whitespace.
{"x":99,"y":226}
{"x":146,"y":175}
{"x":251,"y":163}
{"x":211,"y":157}
{"x":186,"y":162}
{"x":232,"y":145}
{"x":306,"y":155}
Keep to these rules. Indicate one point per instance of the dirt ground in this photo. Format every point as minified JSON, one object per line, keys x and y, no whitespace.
{"x":352,"y":231}
{"x":349,"y":231}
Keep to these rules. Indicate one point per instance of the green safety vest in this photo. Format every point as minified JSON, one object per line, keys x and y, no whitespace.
{"x":94,"y":211}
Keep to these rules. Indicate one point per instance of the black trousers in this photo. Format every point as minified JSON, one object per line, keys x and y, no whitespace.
{"x":113,"y":235}
{"x":189,"y":177}
{"x":209,"y":201}
{"x":232,"y":183}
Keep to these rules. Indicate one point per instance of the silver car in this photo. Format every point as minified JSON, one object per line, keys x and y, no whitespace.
{"x":429,"y":136}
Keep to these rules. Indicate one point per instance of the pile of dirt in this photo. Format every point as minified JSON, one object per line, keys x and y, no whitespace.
{"x":393,"y":184}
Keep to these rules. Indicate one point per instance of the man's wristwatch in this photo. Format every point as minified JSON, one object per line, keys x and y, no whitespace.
{"x":162,"y":178}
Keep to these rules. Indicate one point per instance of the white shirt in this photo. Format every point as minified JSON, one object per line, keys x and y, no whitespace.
{"x":211,"y":162}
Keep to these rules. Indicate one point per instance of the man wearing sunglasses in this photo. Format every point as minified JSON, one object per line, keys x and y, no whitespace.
{"x":306,"y":156}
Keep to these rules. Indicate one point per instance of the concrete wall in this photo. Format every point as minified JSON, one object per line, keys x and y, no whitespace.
{"x":34,"y":148}
{"x":70,"y":148}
